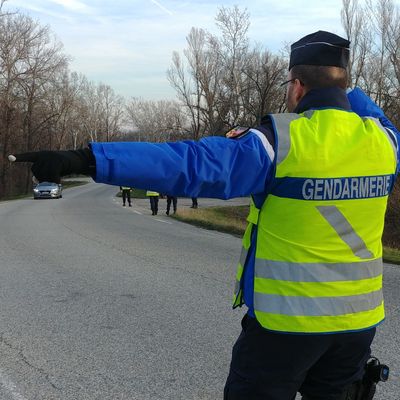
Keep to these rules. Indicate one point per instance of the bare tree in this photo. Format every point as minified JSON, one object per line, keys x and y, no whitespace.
{"x":189,"y":92}
{"x":2,"y":2}
{"x":374,"y":32}
{"x":356,"y":24}
{"x":90,"y":109}
{"x":205,"y":64}
{"x":157,"y":121}
{"x":234,"y":25}
{"x":209,"y":84}
{"x":264,"y":73}
{"x":43,"y":61}
{"x":111,"y":110}
{"x":28,"y":60}
{"x":224,"y":81}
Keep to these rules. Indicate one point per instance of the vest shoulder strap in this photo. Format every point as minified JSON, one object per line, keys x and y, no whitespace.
{"x":281,"y":124}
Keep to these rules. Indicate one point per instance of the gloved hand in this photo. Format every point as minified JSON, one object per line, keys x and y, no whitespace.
{"x":362,"y":105}
{"x":50,"y":166}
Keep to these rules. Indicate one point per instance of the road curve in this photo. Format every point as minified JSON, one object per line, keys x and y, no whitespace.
{"x":100,"y":301}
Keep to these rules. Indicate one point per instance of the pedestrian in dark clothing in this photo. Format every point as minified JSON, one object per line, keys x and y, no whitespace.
{"x":174,"y":201}
{"x":153,"y":196}
{"x":126,"y":195}
{"x":194,"y":202}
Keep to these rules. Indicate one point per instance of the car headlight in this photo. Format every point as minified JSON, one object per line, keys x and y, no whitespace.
{"x":54,"y":191}
{"x":36,"y":190}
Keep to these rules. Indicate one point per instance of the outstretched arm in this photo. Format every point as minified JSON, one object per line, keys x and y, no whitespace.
{"x":213,"y":167}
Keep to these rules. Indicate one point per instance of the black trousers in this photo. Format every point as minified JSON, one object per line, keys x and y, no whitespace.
{"x":174,"y":201}
{"x":275,"y":366}
{"x":126,"y":194}
{"x":154,"y":204}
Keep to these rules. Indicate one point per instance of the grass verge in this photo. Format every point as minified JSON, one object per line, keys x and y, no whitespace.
{"x":136,"y":194}
{"x":232,"y":220}
{"x":69,"y":184}
{"x":224,"y":219}
{"x":391,"y":256}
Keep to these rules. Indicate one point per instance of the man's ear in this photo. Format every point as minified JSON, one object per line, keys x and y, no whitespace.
{"x":300,"y":92}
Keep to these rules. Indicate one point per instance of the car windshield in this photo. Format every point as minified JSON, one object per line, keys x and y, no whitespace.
{"x":47,"y":184}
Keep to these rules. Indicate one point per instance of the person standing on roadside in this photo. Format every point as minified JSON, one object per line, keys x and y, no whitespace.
{"x":126,"y":195}
{"x":195,"y":204}
{"x":310,"y":272}
{"x":153,"y":196}
{"x":174,"y":201}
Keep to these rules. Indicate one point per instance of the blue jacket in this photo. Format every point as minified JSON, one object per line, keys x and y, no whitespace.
{"x":212,"y":167}
{"x":216,"y":166}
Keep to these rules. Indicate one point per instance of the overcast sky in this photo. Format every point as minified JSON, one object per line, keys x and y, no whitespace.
{"x":128,"y":44}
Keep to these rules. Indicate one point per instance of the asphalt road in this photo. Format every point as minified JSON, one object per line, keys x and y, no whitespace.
{"x":100,"y":301}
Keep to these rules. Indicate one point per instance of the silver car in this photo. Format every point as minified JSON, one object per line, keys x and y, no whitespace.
{"x":47,"y":190}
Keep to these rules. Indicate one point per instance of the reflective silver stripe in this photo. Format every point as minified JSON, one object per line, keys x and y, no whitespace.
{"x":393,"y":138}
{"x":242,"y":260}
{"x":281,"y":124}
{"x":346,"y":232}
{"x":324,"y":43}
{"x":317,"y":272}
{"x":308,"y":113}
{"x":267,"y":145}
{"x":317,"y":306}
{"x":237,"y":287}
{"x":243,"y":256}
{"x":390,"y":136}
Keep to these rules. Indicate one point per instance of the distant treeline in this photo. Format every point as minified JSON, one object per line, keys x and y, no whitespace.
{"x":221,"y":80}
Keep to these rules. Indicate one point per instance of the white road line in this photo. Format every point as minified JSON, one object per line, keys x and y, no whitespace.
{"x":10,"y":387}
{"x":137,"y":212}
{"x":165,"y":222}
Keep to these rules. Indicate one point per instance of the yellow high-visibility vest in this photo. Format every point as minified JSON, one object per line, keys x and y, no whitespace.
{"x":151,"y":193}
{"x":318,"y":262}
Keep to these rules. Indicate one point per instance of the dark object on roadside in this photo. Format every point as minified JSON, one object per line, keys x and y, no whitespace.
{"x":126,"y":195}
{"x":174,"y":201}
{"x":47,"y":190}
{"x":153,"y":196}
{"x":194,"y":203}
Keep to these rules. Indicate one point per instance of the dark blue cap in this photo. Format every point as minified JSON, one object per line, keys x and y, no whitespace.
{"x":320,"y":48}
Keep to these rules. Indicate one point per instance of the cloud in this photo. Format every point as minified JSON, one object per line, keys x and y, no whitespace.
{"x":73,"y":5}
{"x":37,"y":10}
{"x":128,"y":44}
{"x":162,"y":7}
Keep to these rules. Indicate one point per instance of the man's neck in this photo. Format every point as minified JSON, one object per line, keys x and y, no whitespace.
{"x":315,"y":99}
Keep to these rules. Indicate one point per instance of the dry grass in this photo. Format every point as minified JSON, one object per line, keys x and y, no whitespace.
{"x":391,"y":256}
{"x":233,"y":220}
{"x":68,"y":184}
{"x":223,"y":219}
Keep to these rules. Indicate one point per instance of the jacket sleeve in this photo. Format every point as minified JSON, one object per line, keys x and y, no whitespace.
{"x":212,"y":167}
